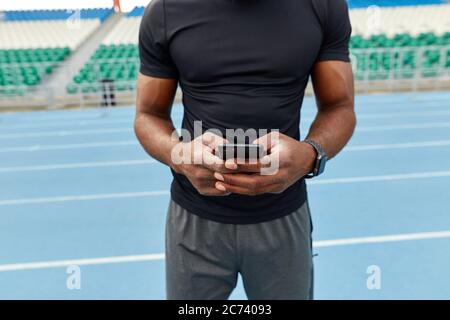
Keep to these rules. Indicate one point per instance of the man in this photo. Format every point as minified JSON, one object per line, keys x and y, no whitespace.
{"x":243,"y":64}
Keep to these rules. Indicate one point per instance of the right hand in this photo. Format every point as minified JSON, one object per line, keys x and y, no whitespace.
{"x":198,"y":163}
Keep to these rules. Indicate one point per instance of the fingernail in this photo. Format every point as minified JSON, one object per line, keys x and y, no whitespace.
{"x":220,"y":187}
{"x":218,"y":176}
{"x":230,"y":165}
{"x":265,"y":160}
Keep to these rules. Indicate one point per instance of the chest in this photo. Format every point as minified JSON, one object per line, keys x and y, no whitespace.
{"x":245,"y":48}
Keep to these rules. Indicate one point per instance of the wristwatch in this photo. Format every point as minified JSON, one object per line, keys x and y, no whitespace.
{"x":321,"y":159}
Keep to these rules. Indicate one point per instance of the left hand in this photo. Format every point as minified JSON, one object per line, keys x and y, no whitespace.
{"x":287,"y":161}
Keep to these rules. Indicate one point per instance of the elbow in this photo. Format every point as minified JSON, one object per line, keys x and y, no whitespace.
{"x":352,"y":120}
{"x":137,"y":126}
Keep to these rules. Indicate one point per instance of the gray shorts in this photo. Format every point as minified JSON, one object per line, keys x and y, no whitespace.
{"x":203,"y":257}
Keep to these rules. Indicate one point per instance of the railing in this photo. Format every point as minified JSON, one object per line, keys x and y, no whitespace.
{"x":376,"y":70}
{"x":405,"y":69}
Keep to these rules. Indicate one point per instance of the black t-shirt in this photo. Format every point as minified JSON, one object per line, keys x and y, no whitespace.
{"x":241,"y":64}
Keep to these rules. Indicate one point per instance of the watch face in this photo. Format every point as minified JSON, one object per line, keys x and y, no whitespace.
{"x":322,"y":163}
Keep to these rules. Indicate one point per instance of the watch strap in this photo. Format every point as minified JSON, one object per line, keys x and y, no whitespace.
{"x":321,"y":157}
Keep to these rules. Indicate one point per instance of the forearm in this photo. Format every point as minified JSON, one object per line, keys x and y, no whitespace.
{"x":156,"y":135}
{"x":333,"y":128}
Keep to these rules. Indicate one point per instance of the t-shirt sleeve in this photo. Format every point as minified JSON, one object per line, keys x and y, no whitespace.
{"x":336,"y":32}
{"x":153,"y":49}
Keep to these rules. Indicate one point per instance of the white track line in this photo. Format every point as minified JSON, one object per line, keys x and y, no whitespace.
{"x":161,"y":256}
{"x":82,"y":165}
{"x":87,"y":122}
{"x":68,"y":114}
{"x":406,"y":103}
{"x":389,"y":115}
{"x":409,"y":176}
{"x":407,"y":126}
{"x":381,"y":239}
{"x":77,"y":165}
{"x":392,"y":177}
{"x":64,"y":133}
{"x":405,"y":145}
{"x":38,"y":147}
{"x":35,"y":148}
{"x":361,"y":103}
{"x":90,"y":197}
{"x":80,"y":262}
{"x":309,"y":117}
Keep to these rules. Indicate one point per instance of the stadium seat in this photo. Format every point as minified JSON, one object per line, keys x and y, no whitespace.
{"x":32,"y":43}
{"x":35,"y":15}
{"x":411,"y":41}
{"x":21,"y":68}
{"x":390,"y":21}
{"x":44,"y":34}
{"x":117,"y":58}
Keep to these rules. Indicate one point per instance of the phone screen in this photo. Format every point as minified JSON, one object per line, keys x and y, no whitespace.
{"x":240,"y":151}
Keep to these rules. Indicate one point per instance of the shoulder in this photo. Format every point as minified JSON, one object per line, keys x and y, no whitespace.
{"x":329,"y":6}
{"x":153,"y":20}
{"x":154,"y":11}
{"x":329,"y":9}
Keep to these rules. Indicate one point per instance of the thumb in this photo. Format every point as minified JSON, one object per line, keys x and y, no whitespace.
{"x":269,"y":141}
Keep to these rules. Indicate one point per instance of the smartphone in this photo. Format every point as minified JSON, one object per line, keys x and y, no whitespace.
{"x":240,"y":151}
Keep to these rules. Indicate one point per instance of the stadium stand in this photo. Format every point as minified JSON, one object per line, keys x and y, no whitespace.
{"x":136,"y":12}
{"x":401,"y":42}
{"x":44,"y":34}
{"x":406,"y":40}
{"x":411,"y":39}
{"x":117,"y":58}
{"x":33,"y":43}
{"x":34,"y":15}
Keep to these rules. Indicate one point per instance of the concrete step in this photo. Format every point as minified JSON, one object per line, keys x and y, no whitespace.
{"x":55,"y":85}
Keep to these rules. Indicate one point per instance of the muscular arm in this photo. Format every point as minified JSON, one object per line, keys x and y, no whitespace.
{"x":153,"y":125}
{"x":154,"y":129}
{"x":335,"y":120}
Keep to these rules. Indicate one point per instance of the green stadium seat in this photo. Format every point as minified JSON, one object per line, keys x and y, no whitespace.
{"x":21,"y":68}
{"x":116,"y":62}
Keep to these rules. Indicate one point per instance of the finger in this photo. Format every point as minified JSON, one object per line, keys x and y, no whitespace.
{"x":254,"y":167}
{"x":202,"y":174}
{"x":234,"y":189}
{"x":212,"y":140}
{"x":214,"y":192}
{"x":215,"y":164}
{"x":269,"y":140}
{"x":274,"y":157}
{"x":231,"y":164}
{"x":252,"y":182}
{"x":247,"y":165}
{"x":210,"y":161}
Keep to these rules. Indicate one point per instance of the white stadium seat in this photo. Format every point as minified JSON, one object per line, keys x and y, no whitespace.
{"x":45,"y":34}
{"x":393,"y":20}
{"x":125,"y":32}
